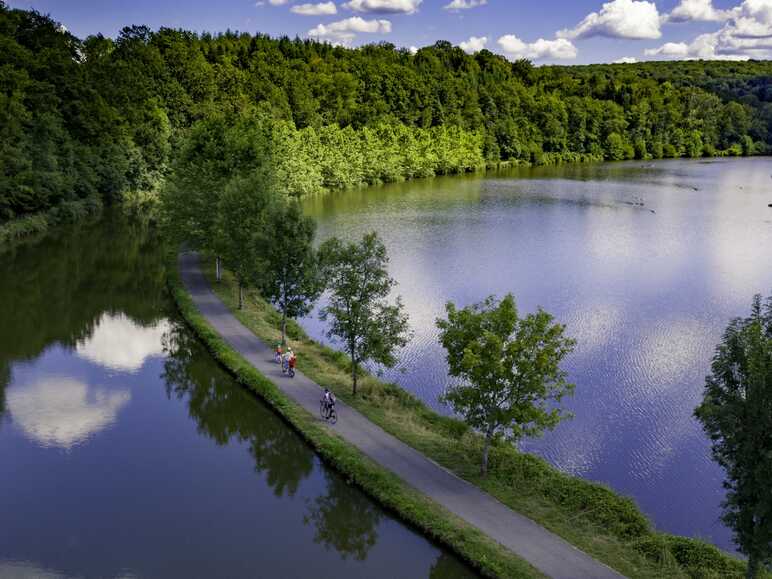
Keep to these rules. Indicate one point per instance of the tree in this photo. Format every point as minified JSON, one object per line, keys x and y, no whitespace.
{"x":291,"y":280}
{"x":736,"y":413}
{"x":190,"y":196}
{"x":359,"y":315}
{"x":241,"y":226}
{"x":509,"y":369}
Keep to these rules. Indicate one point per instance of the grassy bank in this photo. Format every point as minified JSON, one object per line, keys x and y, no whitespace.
{"x":36,"y":224}
{"x":589,"y":515}
{"x":485,"y":555}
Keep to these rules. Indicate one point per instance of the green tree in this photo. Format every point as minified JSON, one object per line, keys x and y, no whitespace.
{"x":242,"y":226}
{"x":292,"y":281}
{"x":509,"y":367}
{"x":369,"y":327}
{"x":736,"y":413}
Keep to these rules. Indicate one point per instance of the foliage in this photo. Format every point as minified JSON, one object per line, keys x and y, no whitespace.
{"x":291,"y":281}
{"x":358,"y":313}
{"x":736,"y":413}
{"x":509,"y":367}
{"x":99,"y":117}
{"x":241,"y":226}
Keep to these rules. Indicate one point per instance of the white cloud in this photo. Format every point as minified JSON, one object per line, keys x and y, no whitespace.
{"x":383,"y":6}
{"x":474,"y":44}
{"x":457,"y":5}
{"x":560,"y":48}
{"x":64,"y":412}
{"x":272,"y":2}
{"x":619,"y":19}
{"x":669,"y":49}
{"x":626,"y":60}
{"x":320,"y":9}
{"x":413,"y":49}
{"x":697,"y":10}
{"x":746,"y":34}
{"x":120,"y":344}
{"x":344,"y":31}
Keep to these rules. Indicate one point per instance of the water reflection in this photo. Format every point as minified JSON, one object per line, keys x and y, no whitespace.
{"x":344,"y":521}
{"x":225,"y":413}
{"x":171,"y":468}
{"x":63,"y":412}
{"x":118,"y":343}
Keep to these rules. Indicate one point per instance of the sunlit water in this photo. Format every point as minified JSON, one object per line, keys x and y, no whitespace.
{"x":125,"y":451}
{"x":645,"y":263}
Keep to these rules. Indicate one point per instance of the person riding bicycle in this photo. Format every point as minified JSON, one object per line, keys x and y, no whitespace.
{"x":292,"y":361}
{"x":278,"y":353}
{"x":286,"y":358}
{"x":329,"y":398}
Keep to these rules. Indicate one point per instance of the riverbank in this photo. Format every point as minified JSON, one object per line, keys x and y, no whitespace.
{"x":590,"y":516}
{"x":37,"y":224}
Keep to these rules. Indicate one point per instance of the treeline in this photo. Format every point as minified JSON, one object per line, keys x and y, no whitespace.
{"x":100,"y":117}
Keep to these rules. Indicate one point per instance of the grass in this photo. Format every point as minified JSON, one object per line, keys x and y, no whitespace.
{"x":589,"y":515}
{"x":36,"y":224}
{"x":483,"y":554}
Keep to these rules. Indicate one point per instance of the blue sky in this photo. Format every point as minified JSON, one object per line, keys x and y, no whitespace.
{"x":546,"y":31}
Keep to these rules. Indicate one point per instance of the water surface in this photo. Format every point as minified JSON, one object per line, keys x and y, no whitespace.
{"x":644,"y":262}
{"x":125,"y":451}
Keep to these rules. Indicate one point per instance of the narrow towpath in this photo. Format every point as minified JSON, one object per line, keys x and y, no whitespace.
{"x":543,"y":549}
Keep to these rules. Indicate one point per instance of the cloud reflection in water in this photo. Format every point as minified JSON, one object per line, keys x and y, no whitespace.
{"x":120,"y":344}
{"x":63,"y":412}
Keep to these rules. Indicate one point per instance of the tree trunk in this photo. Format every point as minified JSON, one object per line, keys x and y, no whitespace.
{"x":354,"y":374}
{"x":241,"y":296}
{"x":217,"y":268}
{"x":283,"y":326}
{"x":753,"y":567}
{"x":486,"y":447}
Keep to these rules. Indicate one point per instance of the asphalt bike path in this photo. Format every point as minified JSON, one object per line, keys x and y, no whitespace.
{"x":543,"y":549}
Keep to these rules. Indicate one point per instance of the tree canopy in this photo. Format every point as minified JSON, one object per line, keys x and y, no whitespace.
{"x":100,"y":117}
{"x":736,"y":413}
{"x":358,"y":310}
{"x":508,"y":367}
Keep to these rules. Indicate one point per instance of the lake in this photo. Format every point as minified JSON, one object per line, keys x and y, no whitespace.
{"x":645,"y":263}
{"x":126,"y":451}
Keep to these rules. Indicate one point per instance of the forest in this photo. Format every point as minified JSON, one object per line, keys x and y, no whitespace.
{"x":99,"y":120}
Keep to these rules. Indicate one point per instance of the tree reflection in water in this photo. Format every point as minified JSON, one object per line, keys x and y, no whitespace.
{"x":224,"y":412}
{"x":345,"y":521}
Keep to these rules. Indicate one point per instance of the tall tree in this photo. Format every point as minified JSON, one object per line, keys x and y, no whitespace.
{"x":292,"y":281}
{"x":509,"y":367}
{"x":242,"y":226}
{"x":360,"y":316}
{"x":736,"y":413}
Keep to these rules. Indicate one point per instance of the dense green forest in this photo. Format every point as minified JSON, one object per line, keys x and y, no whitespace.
{"x":94,"y":120}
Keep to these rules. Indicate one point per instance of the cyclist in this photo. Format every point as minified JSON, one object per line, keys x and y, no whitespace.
{"x":329,"y":398}
{"x":285,"y":360}
{"x":291,"y":364}
{"x":278,"y":353}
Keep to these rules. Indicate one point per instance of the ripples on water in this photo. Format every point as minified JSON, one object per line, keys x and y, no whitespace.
{"x":125,"y":451}
{"x":645,"y":263}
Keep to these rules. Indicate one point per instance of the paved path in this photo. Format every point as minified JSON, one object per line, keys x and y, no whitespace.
{"x":544,"y":550}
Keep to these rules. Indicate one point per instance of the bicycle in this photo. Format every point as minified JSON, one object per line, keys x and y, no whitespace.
{"x":327,"y":411}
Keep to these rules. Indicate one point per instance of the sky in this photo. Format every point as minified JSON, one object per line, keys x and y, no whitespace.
{"x":545,"y":31}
